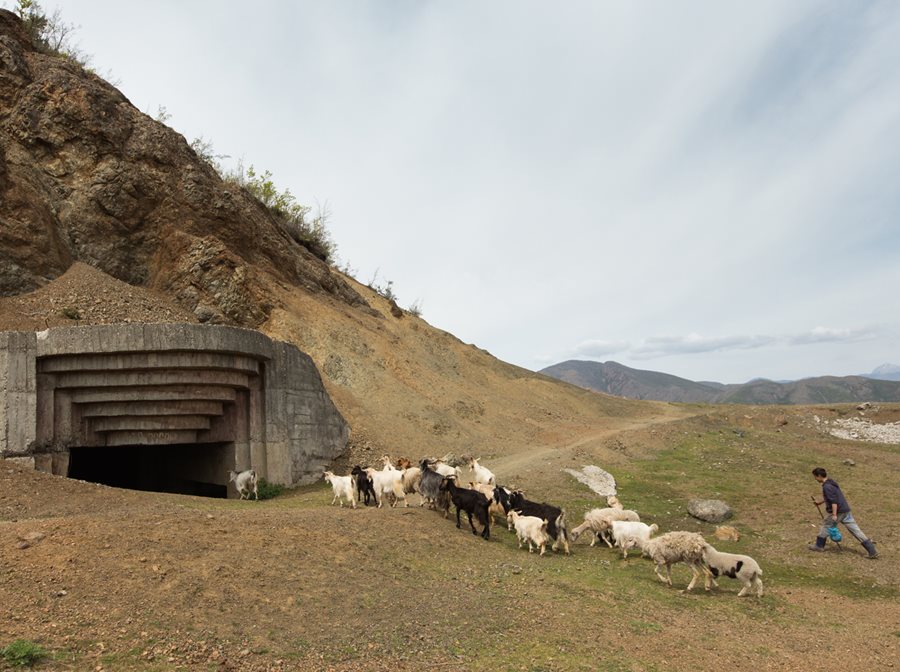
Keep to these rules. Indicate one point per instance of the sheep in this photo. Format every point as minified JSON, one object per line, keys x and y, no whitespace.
{"x":530,"y":528}
{"x":245,"y":482}
{"x":613,"y":502}
{"x":342,"y":486}
{"x":556,"y":518}
{"x":388,"y":481}
{"x":600,"y":521}
{"x":629,"y":534}
{"x":364,"y":487}
{"x":430,"y":489}
{"x":481,"y":474}
{"x":735,"y":566}
{"x":470,"y":501}
{"x":674,"y":547}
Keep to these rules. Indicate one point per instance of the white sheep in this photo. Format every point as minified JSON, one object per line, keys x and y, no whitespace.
{"x":734,"y":566}
{"x":245,"y":482}
{"x":600,"y":521}
{"x":530,"y":529}
{"x":481,"y":474}
{"x":343,"y":487}
{"x":629,"y":534}
{"x":674,"y":547}
{"x":613,"y":502}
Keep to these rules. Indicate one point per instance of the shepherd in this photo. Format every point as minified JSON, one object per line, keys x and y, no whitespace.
{"x":837,"y":510}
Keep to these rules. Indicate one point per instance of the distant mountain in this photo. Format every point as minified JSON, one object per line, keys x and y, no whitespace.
{"x":623,"y":381}
{"x":885,"y":372}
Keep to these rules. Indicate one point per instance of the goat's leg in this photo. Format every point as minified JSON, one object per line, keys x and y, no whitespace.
{"x":458,"y":523}
{"x":471,"y":524}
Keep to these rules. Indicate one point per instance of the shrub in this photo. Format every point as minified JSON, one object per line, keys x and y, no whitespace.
{"x":48,"y":32}
{"x":22,"y":653}
{"x":268,"y":490}
{"x":71,"y":313}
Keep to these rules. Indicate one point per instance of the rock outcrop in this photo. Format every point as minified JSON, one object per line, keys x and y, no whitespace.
{"x":85,"y":176}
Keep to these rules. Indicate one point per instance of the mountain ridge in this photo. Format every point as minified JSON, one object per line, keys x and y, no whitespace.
{"x":620,"y":380}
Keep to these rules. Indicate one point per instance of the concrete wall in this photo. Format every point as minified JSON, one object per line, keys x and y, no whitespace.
{"x":119,"y":385}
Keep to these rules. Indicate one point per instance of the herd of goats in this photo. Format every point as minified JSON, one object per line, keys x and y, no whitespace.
{"x":536,"y":524}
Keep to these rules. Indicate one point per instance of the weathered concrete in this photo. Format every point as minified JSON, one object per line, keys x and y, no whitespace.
{"x":173,"y":385}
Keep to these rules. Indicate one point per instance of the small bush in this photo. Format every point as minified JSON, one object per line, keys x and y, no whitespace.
{"x":22,"y":653}
{"x":268,"y":490}
{"x":71,"y":313}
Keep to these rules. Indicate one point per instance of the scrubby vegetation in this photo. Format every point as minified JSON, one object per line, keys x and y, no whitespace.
{"x":22,"y":653}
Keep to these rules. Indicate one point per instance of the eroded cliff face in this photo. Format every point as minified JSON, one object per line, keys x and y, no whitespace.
{"x":85,"y":176}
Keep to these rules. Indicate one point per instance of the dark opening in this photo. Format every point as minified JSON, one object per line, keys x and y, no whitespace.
{"x":186,"y":469}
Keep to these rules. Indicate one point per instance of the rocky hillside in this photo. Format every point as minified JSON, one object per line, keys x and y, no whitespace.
{"x":86,"y":177}
{"x":620,"y":380}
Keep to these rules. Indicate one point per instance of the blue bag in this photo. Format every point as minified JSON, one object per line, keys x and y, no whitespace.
{"x":834,"y":533}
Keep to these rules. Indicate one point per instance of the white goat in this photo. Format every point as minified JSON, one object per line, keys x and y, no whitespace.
{"x":411,"y":475}
{"x":343,"y":487}
{"x":445,"y":469}
{"x":388,"y":481}
{"x":629,"y":534}
{"x":734,"y":566}
{"x":245,"y":482}
{"x":674,"y":547}
{"x":481,"y":474}
{"x":599,"y":521}
{"x":530,"y":529}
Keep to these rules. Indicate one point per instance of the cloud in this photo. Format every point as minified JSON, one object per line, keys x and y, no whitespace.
{"x":599,"y":348}
{"x":829,"y":335}
{"x":663,"y":346}
{"x":692,"y":344}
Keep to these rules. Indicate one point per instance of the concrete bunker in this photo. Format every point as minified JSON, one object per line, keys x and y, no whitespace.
{"x":165,"y":407}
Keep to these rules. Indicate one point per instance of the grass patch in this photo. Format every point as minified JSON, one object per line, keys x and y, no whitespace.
{"x":22,"y":653}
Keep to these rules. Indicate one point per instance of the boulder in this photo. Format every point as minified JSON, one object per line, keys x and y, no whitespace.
{"x":710,"y":510}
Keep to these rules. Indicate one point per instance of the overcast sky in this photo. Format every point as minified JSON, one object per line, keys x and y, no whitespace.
{"x":708,"y":189}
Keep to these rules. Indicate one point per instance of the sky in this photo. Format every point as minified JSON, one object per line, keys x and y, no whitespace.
{"x":707,"y":189}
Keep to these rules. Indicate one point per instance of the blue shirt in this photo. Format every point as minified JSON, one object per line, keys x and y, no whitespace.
{"x":831,"y":493}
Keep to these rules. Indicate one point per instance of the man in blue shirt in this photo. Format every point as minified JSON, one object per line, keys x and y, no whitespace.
{"x":837,"y":510}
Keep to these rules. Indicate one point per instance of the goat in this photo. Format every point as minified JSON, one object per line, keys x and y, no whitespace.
{"x":556,"y":518}
{"x":430,"y":489}
{"x":495,"y":508}
{"x":481,"y":474}
{"x":342,"y":486}
{"x":629,"y":534}
{"x":364,"y":487}
{"x":735,"y":566}
{"x":388,"y":481}
{"x":530,"y":528}
{"x":471,"y":502}
{"x":245,"y":482}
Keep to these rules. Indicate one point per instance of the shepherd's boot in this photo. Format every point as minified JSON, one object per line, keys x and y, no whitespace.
{"x":818,"y":546}
{"x":869,"y":545}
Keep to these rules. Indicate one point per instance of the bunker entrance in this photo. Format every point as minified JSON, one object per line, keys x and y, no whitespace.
{"x":187,"y":469}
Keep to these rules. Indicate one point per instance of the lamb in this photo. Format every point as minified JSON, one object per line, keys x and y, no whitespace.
{"x":556,"y":518}
{"x":388,"y":481}
{"x":430,"y":489}
{"x":674,"y":547}
{"x":343,"y":487}
{"x":364,"y":487}
{"x":735,"y":566}
{"x":245,"y":482}
{"x":629,"y":534}
{"x":481,"y":474}
{"x":530,"y":528}
{"x":470,"y":501}
{"x":600,"y":521}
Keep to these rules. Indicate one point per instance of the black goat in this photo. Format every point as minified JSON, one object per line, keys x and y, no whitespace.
{"x":364,"y":486}
{"x":430,"y":489}
{"x":470,"y":501}
{"x":555,"y":517}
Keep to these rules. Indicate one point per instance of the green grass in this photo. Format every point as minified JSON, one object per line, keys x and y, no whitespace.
{"x":22,"y":653}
